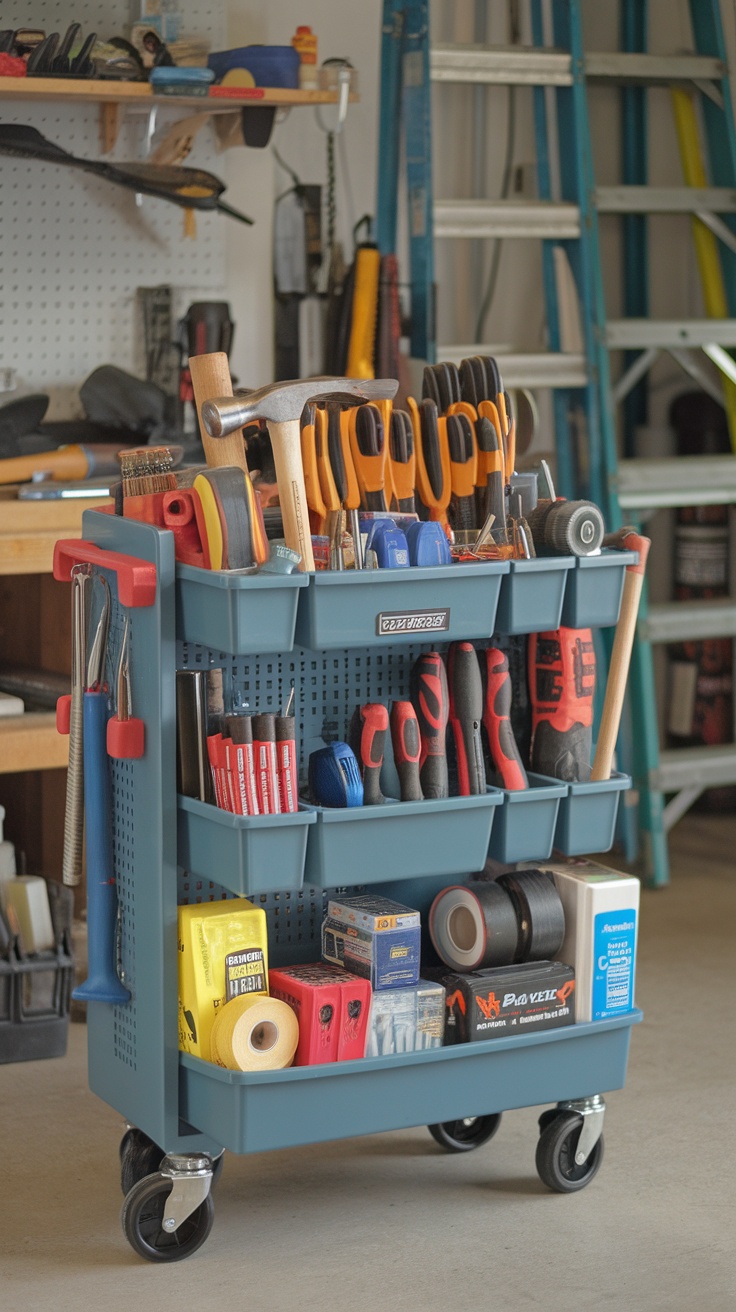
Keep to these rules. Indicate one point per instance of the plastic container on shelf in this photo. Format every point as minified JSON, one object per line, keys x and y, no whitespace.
{"x":593,"y":589}
{"x":586,"y":820}
{"x":407,"y":840}
{"x":244,"y":853}
{"x":525,"y":823}
{"x":372,"y":608}
{"x":532,"y":594}
{"x":237,"y":612}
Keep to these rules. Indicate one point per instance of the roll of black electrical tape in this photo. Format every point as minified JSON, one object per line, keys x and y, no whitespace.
{"x":474,"y":925}
{"x":541,"y":919}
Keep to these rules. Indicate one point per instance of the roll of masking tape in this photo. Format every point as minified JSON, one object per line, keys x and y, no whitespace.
{"x":255,"y":1033}
{"x":474,"y":926}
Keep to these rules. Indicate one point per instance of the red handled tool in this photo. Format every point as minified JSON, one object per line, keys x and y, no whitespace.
{"x":496,"y":718}
{"x":562,"y":684}
{"x":431,"y":703}
{"x":466,"y":714}
{"x":407,"y":745}
{"x":368,"y":740}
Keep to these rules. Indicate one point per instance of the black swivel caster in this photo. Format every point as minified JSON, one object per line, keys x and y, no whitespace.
{"x":462,"y":1136}
{"x":168,"y":1215}
{"x":570,"y":1146}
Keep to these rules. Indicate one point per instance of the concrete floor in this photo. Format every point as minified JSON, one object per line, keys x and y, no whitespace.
{"x":393,"y":1222}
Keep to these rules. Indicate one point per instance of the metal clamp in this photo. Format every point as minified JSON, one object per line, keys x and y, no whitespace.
{"x":191,"y":1176}
{"x":592,"y":1110}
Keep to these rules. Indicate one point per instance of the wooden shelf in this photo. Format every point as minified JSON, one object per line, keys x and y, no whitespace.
{"x":30,"y":742}
{"x":100,"y":91}
{"x":31,"y":528}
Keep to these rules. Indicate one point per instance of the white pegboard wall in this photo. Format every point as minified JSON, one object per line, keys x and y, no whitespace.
{"x":75,"y":247}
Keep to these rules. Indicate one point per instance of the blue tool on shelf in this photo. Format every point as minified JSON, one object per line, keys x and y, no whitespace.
{"x":334,"y":776}
{"x":428,"y":544}
{"x":389,"y":544}
{"x":102,"y":983}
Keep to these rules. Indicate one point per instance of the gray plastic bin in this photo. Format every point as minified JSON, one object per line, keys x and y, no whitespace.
{"x":238,"y":613}
{"x":593,"y":589}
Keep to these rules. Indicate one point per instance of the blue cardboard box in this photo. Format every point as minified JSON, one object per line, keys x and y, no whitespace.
{"x":374,"y":938}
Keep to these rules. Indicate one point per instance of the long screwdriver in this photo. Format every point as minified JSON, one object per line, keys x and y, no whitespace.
{"x":466,"y":714}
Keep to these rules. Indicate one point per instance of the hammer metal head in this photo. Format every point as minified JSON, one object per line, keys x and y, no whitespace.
{"x":281,"y":402}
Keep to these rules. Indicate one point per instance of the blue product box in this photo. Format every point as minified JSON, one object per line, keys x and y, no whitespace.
{"x":374,"y":938}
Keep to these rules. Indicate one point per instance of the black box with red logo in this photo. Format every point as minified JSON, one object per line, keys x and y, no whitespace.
{"x":486,"y":1004}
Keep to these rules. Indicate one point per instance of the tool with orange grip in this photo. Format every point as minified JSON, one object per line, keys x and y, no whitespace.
{"x":433,"y":475}
{"x":368,"y":448}
{"x":497,"y":721}
{"x":431,"y":702}
{"x":463,"y":465}
{"x":562,"y":670}
{"x":315,"y":500}
{"x":403,"y":461}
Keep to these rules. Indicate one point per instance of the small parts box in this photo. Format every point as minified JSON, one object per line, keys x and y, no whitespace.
{"x":375,"y":938}
{"x":332,"y":1008}
{"x":488,"y":1004}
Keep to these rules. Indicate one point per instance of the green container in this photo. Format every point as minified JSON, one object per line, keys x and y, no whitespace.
{"x":524,"y":828}
{"x":400,"y":840}
{"x":374,"y":608}
{"x":245,"y":614}
{"x":246,"y":854}
{"x":532,"y":594}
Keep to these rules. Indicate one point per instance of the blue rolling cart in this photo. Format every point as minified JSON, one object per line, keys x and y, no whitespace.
{"x":183,"y":1112}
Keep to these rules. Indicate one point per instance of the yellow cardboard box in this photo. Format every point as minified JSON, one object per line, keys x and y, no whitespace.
{"x":223,"y":954}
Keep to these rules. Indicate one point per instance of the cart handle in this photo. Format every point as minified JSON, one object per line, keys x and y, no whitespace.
{"x":136,"y":578}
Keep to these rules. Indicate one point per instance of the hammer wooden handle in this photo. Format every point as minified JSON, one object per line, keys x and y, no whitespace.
{"x":287,"y":457}
{"x":623,"y":642}
{"x":210,"y":378}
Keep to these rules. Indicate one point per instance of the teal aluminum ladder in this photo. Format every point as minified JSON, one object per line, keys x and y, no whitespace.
{"x":565,"y":219}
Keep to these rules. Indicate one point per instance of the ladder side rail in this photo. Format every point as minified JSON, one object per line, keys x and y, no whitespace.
{"x":634,"y":152}
{"x":417,"y":116}
{"x":720,"y":130}
{"x":389,"y":130}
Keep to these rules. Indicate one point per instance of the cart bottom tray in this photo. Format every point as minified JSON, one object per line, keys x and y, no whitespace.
{"x":308,"y":1104}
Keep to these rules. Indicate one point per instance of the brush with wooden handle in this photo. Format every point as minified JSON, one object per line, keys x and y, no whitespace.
{"x":64,"y":464}
{"x":629,"y":540}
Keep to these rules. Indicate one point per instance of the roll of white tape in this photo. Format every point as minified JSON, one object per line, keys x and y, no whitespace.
{"x":255,"y":1033}
{"x":473,"y":926}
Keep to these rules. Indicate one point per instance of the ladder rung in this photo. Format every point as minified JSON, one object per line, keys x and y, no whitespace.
{"x":678,"y":621}
{"x":500,"y":65}
{"x":546,"y":369}
{"x":505,"y":218}
{"x":641,"y":334}
{"x":619,"y":66}
{"x":665,"y":200}
{"x":685,"y":481}
{"x":684,"y":767}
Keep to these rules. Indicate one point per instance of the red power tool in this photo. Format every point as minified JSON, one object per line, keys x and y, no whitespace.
{"x":496,"y":718}
{"x":562,"y":684}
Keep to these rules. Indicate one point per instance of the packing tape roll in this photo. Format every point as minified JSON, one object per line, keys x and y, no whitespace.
{"x":541,"y":918}
{"x":255,"y":1033}
{"x":473,"y":926}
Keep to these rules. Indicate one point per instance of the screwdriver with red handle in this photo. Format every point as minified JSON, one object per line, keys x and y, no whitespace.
{"x":466,"y":714}
{"x":367,"y":738}
{"x":407,"y":745}
{"x":497,"y":720}
{"x":431,"y":703}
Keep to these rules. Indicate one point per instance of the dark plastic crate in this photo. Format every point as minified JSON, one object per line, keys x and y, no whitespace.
{"x":371,"y":608}
{"x":593,"y":589}
{"x":400,"y":840}
{"x":524,"y":828}
{"x":244,"y":853}
{"x":586,"y":821}
{"x":240,"y":613}
{"x":35,"y":991}
{"x":532,"y":594}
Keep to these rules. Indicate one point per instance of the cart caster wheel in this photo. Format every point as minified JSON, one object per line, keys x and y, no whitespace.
{"x":139,"y":1157}
{"x":462,"y":1136}
{"x":142,"y":1216}
{"x":555,"y":1160}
